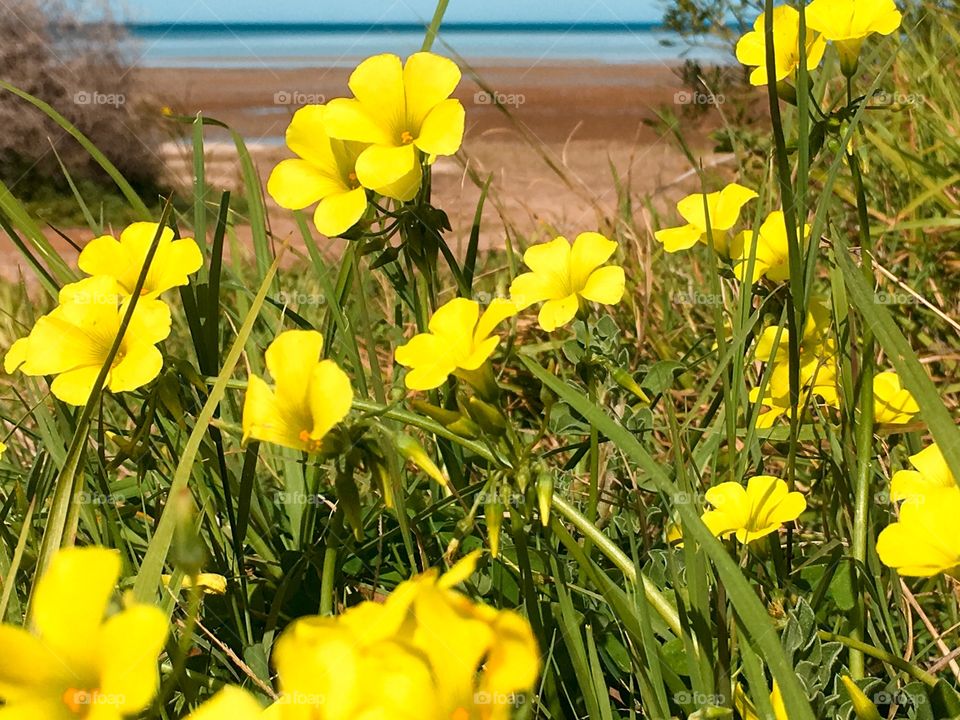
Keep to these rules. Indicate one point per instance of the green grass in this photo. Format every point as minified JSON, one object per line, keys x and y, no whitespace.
{"x":629,"y":626}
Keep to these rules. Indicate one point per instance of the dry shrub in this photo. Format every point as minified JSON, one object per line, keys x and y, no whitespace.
{"x":79,"y":69}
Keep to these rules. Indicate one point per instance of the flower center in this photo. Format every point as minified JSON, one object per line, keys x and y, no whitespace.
{"x":406,"y":138}
{"x":312,"y":444}
{"x":82,"y":701}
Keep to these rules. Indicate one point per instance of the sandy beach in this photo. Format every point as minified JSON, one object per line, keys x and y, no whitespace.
{"x":551,"y":136}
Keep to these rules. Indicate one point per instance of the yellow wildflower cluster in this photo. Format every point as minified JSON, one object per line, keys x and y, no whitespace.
{"x":427,"y":653}
{"x":73,"y":342}
{"x":564,"y":276}
{"x":845,"y":23}
{"x":401,"y":115}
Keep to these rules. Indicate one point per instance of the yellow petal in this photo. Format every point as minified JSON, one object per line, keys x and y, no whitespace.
{"x":291,"y":358}
{"x":430,"y":362}
{"x":442,"y":130}
{"x":16,"y":355}
{"x":428,"y":80}
{"x":150,"y":323}
{"x":71,"y":598}
{"x":100,"y":255}
{"x":557,"y":313}
{"x":129,"y":646}
{"x":139,"y":366}
{"x":499,"y":310}
{"x":590,"y":250}
{"x":461,"y":571}
{"x":27,"y":665}
{"x":295,"y":184}
{"x":729,"y":204}
{"x":382,"y":165}
{"x":377,"y":83}
{"x":331,"y":397}
{"x":514,"y":661}
{"x":404,"y":189}
{"x":231,"y":703}
{"x":605,"y":285}
{"x":307,"y":137}
{"x":678,"y":238}
{"x":264,"y":418}
{"x":456,"y":320}
{"x":74,"y":386}
{"x":551,"y":259}
{"x":933,"y":466}
{"x":347,"y":119}
{"x":340,"y":211}
{"x":530,"y":288}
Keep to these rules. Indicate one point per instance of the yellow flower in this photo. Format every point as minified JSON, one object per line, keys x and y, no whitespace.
{"x":849,"y":22}
{"x":123,"y":260}
{"x":754,"y":511}
{"x":427,"y":653}
{"x":323,"y":173}
{"x":209,"y":583}
{"x":563,"y":275}
{"x":892,"y":404}
{"x":233,"y":703}
{"x":460,"y":338}
{"x":400,"y":111}
{"x":818,"y":366}
{"x":752,"y":47}
{"x":722,"y":207}
{"x":925,"y":540}
{"x":932,"y":473}
{"x":771,"y":248}
{"x":3,"y":448}
{"x":309,"y":398}
{"x":76,"y":664}
{"x":73,"y":341}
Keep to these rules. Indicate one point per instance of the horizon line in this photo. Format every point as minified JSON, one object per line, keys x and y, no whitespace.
{"x":481,"y":26}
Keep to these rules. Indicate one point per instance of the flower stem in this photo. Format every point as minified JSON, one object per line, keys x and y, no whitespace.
{"x":863,"y":431}
{"x":330,"y":552}
{"x":880,"y":654}
{"x":663,"y":607}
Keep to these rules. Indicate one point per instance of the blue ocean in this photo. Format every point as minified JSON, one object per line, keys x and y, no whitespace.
{"x":294,"y":45}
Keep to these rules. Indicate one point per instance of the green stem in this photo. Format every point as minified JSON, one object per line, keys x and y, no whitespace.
{"x":882,"y":655}
{"x":330,"y":552}
{"x":864,"y":428}
{"x":434,"y":27}
{"x":418,"y":421}
{"x":663,"y":607}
